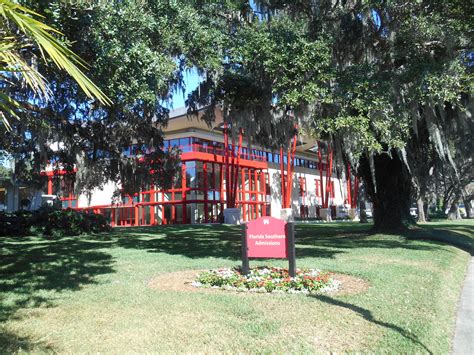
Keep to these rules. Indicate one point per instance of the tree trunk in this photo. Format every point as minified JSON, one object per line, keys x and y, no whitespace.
{"x":362,"y":213}
{"x":426,"y":210}
{"x":468,"y":206}
{"x":361,"y":199}
{"x":445,"y":205}
{"x":421,"y":210}
{"x":391,"y":196}
{"x":453,"y":213}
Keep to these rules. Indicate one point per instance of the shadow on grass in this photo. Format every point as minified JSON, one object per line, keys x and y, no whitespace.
{"x":461,"y":236}
{"x":11,"y":343}
{"x":224,"y":242}
{"x":367,"y":315}
{"x":30,"y":267}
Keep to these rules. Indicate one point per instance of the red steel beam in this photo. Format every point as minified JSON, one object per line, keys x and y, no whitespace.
{"x":349,"y":186}
{"x":282,"y":174}
{"x":329,"y":160}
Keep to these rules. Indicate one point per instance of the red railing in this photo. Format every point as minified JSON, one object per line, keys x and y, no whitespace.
{"x":219,"y":151}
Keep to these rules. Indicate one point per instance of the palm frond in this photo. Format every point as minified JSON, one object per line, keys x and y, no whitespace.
{"x":8,"y":107}
{"x":50,"y":46}
{"x":15,"y":64}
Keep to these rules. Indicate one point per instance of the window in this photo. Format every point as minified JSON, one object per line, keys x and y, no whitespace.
{"x":183,"y":142}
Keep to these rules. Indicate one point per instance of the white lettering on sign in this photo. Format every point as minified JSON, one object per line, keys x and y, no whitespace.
{"x":266,"y":221}
{"x":260,"y":242}
{"x":266,"y":236}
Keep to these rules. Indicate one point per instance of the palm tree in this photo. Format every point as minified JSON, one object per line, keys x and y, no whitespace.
{"x":20,"y":31}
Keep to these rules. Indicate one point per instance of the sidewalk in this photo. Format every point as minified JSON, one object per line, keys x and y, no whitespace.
{"x":463,"y":343}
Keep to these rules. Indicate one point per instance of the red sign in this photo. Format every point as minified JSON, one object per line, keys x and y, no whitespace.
{"x":266,"y":238}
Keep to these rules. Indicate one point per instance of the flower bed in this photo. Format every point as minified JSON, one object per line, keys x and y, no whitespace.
{"x":268,"y":280}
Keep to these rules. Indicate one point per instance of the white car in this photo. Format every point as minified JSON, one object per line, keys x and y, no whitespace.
{"x":462,"y":210}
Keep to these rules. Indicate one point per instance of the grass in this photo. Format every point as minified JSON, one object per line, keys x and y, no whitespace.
{"x":90,"y":293}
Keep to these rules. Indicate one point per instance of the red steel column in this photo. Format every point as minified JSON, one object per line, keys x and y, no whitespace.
{"x":320,"y":158}
{"x":112,"y":217}
{"x":152,"y":206}
{"x":290,"y":167}
{"x":349,"y":187}
{"x":213,"y":187}
{"x":244,"y":198}
{"x":50,"y":185}
{"x":204,"y":171}
{"x":356,"y":192}
{"x":226,"y":158}
{"x":262,"y":192}
{"x":183,"y":191}
{"x":328,"y":174}
{"x":173,"y":204}
{"x":255,"y":176}
{"x":282,"y":174}
{"x":221,"y":179}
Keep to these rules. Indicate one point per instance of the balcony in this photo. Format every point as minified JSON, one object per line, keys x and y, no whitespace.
{"x":198,"y":148}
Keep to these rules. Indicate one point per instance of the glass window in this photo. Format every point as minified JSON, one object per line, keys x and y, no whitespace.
{"x":183,"y":142}
{"x":190,"y":174}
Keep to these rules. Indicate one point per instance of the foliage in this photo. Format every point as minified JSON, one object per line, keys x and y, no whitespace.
{"x":361,"y":74}
{"x":5,"y":173}
{"x":139,"y":52}
{"x":21,"y":31}
{"x":271,"y":70}
{"x":267,"y":279}
{"x":52,"y":222}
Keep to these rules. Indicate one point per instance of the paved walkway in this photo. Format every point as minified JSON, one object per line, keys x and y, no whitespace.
{"x":463,"y":343}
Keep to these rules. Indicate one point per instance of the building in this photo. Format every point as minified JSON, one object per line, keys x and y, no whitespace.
{"x":16,"y":195}
{"x":199,"y":193}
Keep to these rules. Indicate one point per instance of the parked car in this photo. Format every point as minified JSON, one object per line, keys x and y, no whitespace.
{"x":462,"y":210}
{"x":368,"y":213}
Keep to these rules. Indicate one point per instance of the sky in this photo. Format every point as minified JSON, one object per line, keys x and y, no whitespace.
{"x":191,"y":82}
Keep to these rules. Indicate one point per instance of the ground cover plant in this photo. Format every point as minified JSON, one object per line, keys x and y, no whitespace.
{"x":92,"y":294}
{"x":266,"y":279}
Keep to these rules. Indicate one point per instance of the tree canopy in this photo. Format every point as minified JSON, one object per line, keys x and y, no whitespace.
{"x":367,"y":76}
{"x":370,"y":77}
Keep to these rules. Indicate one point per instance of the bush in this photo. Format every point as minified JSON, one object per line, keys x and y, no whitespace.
{"x":52,"y":222}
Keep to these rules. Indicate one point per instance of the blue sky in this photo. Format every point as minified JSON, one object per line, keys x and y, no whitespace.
{"x":191,"y":82}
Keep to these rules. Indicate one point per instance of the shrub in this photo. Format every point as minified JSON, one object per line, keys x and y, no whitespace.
{"x":52,"y":222}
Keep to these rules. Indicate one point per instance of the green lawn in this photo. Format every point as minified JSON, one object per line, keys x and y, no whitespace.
{"x":91,"y":294}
